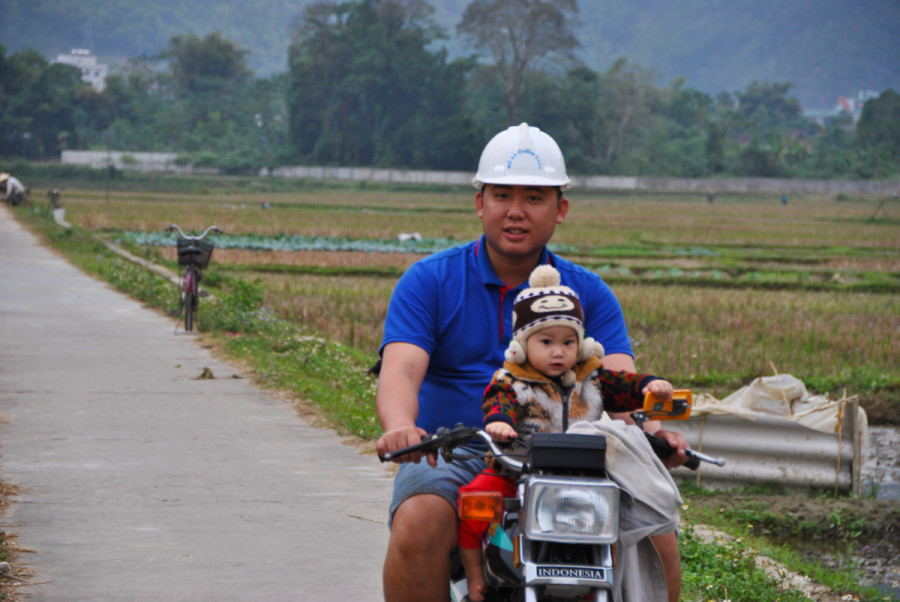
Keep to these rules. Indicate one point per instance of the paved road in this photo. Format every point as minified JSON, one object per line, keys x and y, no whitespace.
{"x":141,"y":482}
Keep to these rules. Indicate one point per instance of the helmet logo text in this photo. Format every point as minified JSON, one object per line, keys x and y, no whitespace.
{"x":521,"y":152}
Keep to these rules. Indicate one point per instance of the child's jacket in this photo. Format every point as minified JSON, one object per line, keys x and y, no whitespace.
{"x":533,"y":403}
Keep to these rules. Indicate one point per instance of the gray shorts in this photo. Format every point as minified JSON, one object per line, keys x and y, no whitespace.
{"x":443,"y":480}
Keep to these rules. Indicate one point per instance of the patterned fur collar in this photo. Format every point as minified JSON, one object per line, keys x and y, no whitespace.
{"x":527,"y":372}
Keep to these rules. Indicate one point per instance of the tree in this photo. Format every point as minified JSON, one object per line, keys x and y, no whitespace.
{"x":38,"y":105}
{"x":695,"y":144}
{"x":627,"y":95}
{"x":835,"y":152}
{"x":715,"y":147}
{"x":520,"y":35}
{"x":774,"y":135}
{"x":576,"y":99}
{"x":16,"y":73}
{"x":878,"y":129}
{"x":52,"y":96}
{"x":688,"y":107}
{"x":136,"y":103}
{"x":566,"y":107}
{"x":765,"y":108}
{"x":365,"y":90}
{"x":206,"y":64}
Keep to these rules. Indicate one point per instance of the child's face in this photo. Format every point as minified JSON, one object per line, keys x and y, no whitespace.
{"x":552,"y":351}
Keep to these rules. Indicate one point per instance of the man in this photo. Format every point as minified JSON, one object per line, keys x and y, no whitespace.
{"x":12,"y":189}
{"x":449,"y":321}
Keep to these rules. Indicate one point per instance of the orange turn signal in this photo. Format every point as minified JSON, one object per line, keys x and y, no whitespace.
{"x":481,"y":505}
{"x":678,"y":408}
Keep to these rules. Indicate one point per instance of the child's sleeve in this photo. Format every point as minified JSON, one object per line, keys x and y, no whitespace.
{"x":500,"y":402}
{"x":621,"y":390}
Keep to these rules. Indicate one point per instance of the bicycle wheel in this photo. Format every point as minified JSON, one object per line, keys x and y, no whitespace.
{"x":189,"y":306}
{"x":189,"y":297}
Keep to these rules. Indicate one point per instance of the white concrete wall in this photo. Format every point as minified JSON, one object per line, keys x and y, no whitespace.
{"x":165,"y":162}
{"x":133,"y":161}
{"x":359,"y":174}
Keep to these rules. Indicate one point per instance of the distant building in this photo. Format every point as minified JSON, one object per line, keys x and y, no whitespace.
{"x":852,"y":106}
{"x":92,"y":72}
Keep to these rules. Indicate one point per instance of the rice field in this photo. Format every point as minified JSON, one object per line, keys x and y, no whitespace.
{"x":714,"y":294}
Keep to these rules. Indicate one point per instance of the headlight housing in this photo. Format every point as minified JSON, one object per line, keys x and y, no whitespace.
{"x":572,"y":509}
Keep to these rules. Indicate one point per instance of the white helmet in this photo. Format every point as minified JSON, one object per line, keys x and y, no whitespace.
{"x":522,"y":155}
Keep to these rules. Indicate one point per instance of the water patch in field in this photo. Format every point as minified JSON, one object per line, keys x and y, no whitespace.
{"x":296,"y":242}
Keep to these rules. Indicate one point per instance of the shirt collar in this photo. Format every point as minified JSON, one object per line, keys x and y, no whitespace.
{"x":488,"y":275}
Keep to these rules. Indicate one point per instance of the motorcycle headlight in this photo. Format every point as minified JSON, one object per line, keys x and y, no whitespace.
{"x":576,"y":510}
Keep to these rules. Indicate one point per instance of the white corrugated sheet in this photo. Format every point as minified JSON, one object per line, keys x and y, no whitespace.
{"x":773,"y":431}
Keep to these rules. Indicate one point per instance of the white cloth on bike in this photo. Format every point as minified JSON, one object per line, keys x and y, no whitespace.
{"x":649,"y":506}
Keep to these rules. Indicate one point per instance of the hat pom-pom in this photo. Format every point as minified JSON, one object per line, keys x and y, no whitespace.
{"x":544,"y":276}
{"x":515,"y":353}
{"x":590,"y":347}
{"x":568,"y":378}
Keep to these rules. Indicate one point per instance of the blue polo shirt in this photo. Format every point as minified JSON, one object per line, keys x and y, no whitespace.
{"x":453,"y":305}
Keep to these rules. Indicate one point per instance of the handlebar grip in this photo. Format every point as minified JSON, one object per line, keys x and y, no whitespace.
{"x":693,"y":462}
{"x":663,"y":450}
{"x":425,"y":444}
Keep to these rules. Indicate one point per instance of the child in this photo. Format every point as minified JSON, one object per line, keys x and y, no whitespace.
{"x":552,"y":378}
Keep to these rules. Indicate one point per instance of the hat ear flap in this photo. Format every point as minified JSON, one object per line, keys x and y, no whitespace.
{"x":588,"y":348}
{"x":515,"y":353}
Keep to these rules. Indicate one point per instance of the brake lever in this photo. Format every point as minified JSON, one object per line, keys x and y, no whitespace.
{"x":663,"y":450}
{"x":426,"y":443}
{"x":444,"y":439}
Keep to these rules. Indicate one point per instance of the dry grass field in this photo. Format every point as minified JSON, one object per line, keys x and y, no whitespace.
{"x":715,"y":294}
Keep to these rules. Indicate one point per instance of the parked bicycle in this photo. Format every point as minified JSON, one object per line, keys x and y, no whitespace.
{"x":194,"y":254}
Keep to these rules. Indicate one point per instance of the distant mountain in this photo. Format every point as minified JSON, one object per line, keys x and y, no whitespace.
{"x":827,"y":48}
{"x":117,"y":30}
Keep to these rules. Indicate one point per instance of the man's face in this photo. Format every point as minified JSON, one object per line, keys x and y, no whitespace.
{"x":519,"y":220}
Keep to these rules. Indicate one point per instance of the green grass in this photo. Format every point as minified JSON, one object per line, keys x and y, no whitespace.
{"x":726,"y":570}
{"x":761,"y":522}
{"x":333,"y":377}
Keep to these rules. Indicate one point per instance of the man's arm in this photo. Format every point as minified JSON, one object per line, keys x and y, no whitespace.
{"x":403,"y":367}
{"x":619,"y":361}
{"x":622,"y":361}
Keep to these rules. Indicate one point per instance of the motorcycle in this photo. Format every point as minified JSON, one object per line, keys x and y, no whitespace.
{"x":559,"y":538}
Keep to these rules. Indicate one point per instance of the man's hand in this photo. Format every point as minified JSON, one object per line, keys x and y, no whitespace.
{"x":401,"y":437}
{"x":678,"y":443}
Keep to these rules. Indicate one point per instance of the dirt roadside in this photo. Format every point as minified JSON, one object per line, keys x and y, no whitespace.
{"x":836,"y":533}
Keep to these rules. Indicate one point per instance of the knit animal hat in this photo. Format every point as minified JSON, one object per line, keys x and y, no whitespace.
{"x":547,"y":303}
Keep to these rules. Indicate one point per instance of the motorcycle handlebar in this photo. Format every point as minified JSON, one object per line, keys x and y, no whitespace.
{"x":445,"y":440}
{"x":663,"y":450}
{"x":427,"y":445}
